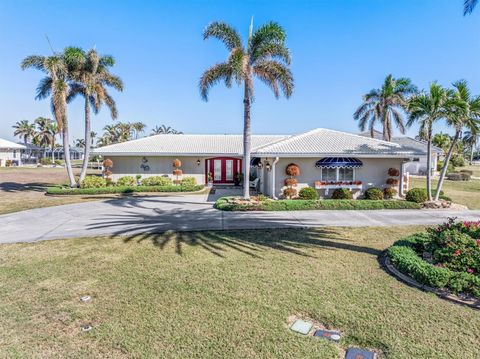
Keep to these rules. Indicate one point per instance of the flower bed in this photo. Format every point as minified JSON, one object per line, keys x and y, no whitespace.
{"x":444,"y":257}
{"x":262,"y":203}
{"x":122,"y":189}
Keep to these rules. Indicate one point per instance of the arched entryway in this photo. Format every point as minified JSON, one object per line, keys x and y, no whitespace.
{"x":223,"y":169}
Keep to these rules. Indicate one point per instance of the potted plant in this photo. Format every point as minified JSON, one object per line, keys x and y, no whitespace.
{"x":139,"y":179}
{"x":209,"y":179}
{"x":238,"y":179}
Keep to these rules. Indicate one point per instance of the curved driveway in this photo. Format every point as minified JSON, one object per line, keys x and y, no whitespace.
{"x":131,"y":215}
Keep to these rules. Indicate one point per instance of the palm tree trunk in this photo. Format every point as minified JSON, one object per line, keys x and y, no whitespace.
{"x":246,"y":143}
{"x":66,"y":153}
{"x":445,"y":164}
{"x":471,"y":152}
{"x":86,"y":149}
{"x":429,"y":164}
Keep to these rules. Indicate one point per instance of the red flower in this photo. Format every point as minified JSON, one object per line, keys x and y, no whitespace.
{"x":470,"y":270}
{"x":457,"y":253}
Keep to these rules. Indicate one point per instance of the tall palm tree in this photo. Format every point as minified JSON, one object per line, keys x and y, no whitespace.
{"x":470,"y":138}
{"x":55,"y":85}
{"x":385,"y":105}
{"x":91,"y":77}
{"x":80,"y":142}
{"x":138,"y":128}
{"x":164,"y":130}
{"x":25,"y":130}
{"x":468,"y":6}
{"x":264,"y":56}
{"x":426,"y":108}
{"x":45,"y":135}
{"x":463,"y":113}
{"x":93,"y":135}
{"x":124,"y":131}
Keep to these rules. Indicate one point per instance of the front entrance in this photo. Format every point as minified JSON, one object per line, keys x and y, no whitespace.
{"x":223,"y":169}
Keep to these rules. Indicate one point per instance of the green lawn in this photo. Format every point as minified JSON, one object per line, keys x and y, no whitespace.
{"x":474,"y":168}
{"x":463,"y":192}
{"x":222,"y":295}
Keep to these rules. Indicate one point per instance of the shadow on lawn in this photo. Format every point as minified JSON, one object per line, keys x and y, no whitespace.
{"x":20,"y":187}
{"x":202,"y":226}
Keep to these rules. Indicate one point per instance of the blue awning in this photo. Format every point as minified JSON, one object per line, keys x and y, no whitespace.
{"x":339,"y":162}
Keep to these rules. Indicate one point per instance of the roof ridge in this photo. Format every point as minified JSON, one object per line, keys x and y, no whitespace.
{"x":357,"y":135}
{"x":290,"y":138}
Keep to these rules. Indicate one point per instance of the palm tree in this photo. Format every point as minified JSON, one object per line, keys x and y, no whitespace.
{"x":80,"y":142}
{"x":385,"y":105}
{"x":470,"y":138}
{"x":25,"y":130}
{"x":45,"y":135}
{"x":468,"y":6}
{"x":91,"y":77}
{"x":265,"y":56}
{"x":54,"y":85}
{"x":164,"y":130}
{"x":124,"y":131}
{"x":426,"y":109}
{"x":93,"y":135}
{"x":138,"y":128}
{"x":463,"y":112}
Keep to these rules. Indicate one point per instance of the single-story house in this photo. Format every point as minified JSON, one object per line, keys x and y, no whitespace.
{"x":417,"y":165}
{"x":10,"y":153}
{"x":327,"y":159}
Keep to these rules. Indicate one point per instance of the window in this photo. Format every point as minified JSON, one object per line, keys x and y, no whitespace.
{"x":345,"y":174}
{"x":338,"y":174}
{"x":14,"y":153}
{"x":329,"y":174}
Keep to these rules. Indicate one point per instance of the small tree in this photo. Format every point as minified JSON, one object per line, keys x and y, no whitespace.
{"x":107,"y":170}
{"x":177,"y":171}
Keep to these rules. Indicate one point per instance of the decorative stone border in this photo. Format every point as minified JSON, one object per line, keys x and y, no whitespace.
{"x":442,"y":293}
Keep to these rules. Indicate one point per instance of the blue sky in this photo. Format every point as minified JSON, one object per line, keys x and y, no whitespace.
{"x":340,"y":50}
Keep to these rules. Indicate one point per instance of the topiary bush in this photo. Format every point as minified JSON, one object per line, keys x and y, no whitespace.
{"x":156,"y":181}
{"x":290,"y":182}
{"x":374,"y":194}
{"x":292,"y":170}
{"x":126,"y":181}
{"x":392,"y":181}
{"x":394,"y":172}
{"x":342,"y":193}
{"x":93,"y":182}
{"x":289,"y":192}
{"x":188,"y":181}
{"x":308,"y":193}
{"x":417,"y":195}
{"x":389,"y":193}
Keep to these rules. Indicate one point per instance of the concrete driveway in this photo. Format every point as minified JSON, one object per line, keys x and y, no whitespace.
{"x":132,"y":215}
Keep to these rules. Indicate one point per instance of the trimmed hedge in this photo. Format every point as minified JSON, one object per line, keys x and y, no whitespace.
{"x":374,"y":194}
{"x":226,"y":204}
{"x":121,"y":189}
{"x":342,"y":193}
{"x":404,"y":257}
{"x":308,"y":193}
{"x":156,"y":181}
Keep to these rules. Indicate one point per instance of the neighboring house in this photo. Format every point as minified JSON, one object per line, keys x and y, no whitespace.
{"x":417,"y":165}
{"x":327,"y":159}
{"x":76,"y":153}
{"x":32,"y":153}
{"x":10,"y":153}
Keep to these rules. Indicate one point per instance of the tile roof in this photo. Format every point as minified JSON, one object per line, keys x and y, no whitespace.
{"x":187,"y":145}
{"x":405,"y":141}
{"x":10,"y":145}
{"x":316,"y":142}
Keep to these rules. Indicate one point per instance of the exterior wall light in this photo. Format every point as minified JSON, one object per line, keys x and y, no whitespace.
{"x":198,"y":162}
{"x":268,"y":166}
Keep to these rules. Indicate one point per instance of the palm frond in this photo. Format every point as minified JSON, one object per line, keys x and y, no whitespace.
{"x":225,"y":33}
{"x":271,"y":50}
{"x":277,"y":72}
{"x":270,"y":32}
{"x":468,"y":6}
{"x":33,"y":61}
{"x":212,"y":76}
{"x":44,"y":88}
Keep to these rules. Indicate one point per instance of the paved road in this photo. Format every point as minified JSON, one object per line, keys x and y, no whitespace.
{"x":133,"y":215}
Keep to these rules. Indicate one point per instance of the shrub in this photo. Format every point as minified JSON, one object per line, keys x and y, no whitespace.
{"x":458,"y":176}
{"x":373,"y":193}
{"x":59,"y":162}
{"x":93,"y":182}
{"x":292,"y":170}
{"x":457,"y":161}
{"x":290,"y":182}
{"x":417,"y":195}
{"x":393,"y":172}
{"x":289,"y":192}
{"x":468,"y":172}
{"x":126,"y":181}
{"x":392,"y":181}
{"x":308,"y":193}
{"x":156,"y":181}
{"x":45,"y":161}
{"x":188,"y":181}
{"x":342,"y":193}
{"x":389,"y":193}
{"x":121,"y":189}
{"x":450,"y":168}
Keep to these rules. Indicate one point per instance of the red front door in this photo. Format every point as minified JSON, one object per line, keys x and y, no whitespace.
{"x":224,"y":169}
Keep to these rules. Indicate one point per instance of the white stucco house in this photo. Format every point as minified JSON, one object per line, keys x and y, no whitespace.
{"x":417,"y":165}
{"x":327,"y":159}
{"x":10,"y":153}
